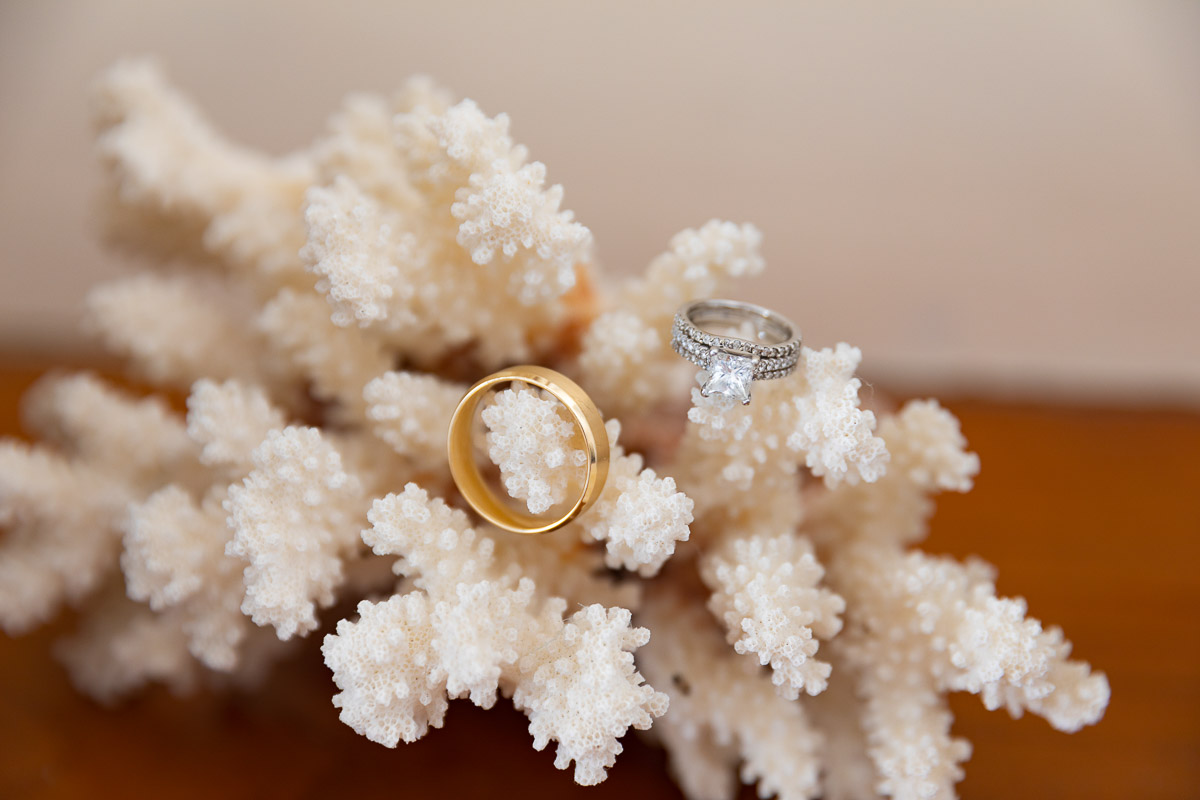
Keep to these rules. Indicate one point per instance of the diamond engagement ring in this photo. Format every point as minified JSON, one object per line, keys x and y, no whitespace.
{"x":733,"y":363}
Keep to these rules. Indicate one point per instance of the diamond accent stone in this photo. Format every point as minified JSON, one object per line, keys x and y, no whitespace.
{"x":730,"y":376}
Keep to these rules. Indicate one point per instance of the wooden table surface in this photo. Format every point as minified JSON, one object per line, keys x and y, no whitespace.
{"x":1092,"y":515}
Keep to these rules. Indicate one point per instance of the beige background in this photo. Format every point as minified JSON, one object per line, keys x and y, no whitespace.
{"x":1000,"y":198}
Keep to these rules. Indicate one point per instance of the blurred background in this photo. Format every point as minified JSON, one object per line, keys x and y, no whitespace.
{"x":999,"y":198}
{"x":999,"y":202}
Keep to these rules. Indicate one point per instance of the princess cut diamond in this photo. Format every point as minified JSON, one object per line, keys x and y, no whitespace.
{"x":729,"y":375}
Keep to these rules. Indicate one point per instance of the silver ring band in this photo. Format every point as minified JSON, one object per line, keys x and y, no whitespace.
{"x":733,"y":363}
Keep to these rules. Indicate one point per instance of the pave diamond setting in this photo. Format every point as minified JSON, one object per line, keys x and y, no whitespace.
{"x":729,"y":375}
{"x":733,"y":363}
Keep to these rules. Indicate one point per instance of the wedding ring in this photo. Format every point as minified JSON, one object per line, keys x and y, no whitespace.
{"x":734,"y":363}
{"x":465,"y":470}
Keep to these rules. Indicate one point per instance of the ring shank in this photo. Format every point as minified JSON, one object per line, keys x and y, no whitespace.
{"x":772,"y":326}
{"x":465,"y":470}
{"x":774,"y":353}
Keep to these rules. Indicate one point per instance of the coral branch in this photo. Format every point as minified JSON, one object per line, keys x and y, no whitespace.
{"x":472,"y":628}
{"x":61,"y":521}
{"x":175,"y":329}
{"x":530,"y":440}
{"x":765,"y":590}
{"x":229,"y":421}
{"x":908,"y":737}
{"x":833,"y":433}
{"x":928,"y":455}
{"x":918,"y":626}
{"x":639,"y":515}
{"x":723,"y":707}
{"x":96,"y":424}
{"x":411,"y":412}
{"x":581,"y":689}
{"x":171,"y":169}
{"x":175,"y":559}
{"x":384,"y":665}
{"x":294,"y":520}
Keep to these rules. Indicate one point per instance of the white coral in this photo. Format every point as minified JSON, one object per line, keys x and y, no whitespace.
{"x":385,"y":667}
{"x":835,"y":435}
{"x":741,"y":461}
{"x":510,"y":214}
{"x":582,"y":690}
{"x":178,"y":179}
{"x":174,"y":329}
{"x":356,"y":287}
{"x":433,"y":259}
{"x":625,"y":360}
{"x":927,"y":454}
{"x":918,"y":626}
{"x":294,"y":520}
{"x":565,"y":566}
{"x":97,"y":424}
{"x":338,"y":362}
{"x":64,"y":508}
{"x":765,"y":589}
{"x":411,"y":412}
{"x":530,"y":440}
{"x":175,"y":559}
{"x":472,"y":628}
{"x":229,"y":421}
{"x":908,"y":737}
{"x":700,"y":263}
{"x":724,"y":710}
{"x":734,"y":462}
{"x":356,"y":259}
{"x":61,"y":519}
{"x":967,"y":638}
{"x":640,"y":516}
{"x":642,"y":520}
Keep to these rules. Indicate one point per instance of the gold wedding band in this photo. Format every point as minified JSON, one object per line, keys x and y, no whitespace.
{"x":465,"y":470}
